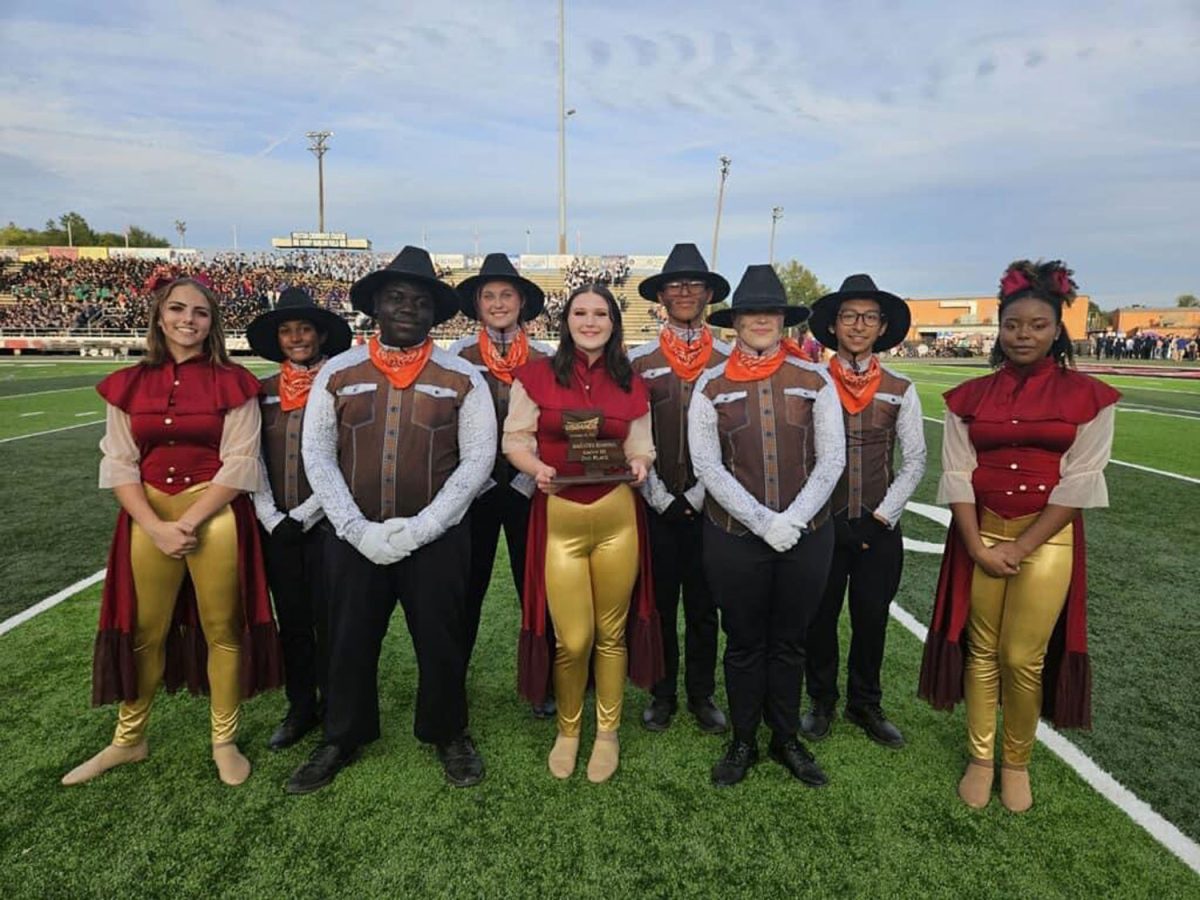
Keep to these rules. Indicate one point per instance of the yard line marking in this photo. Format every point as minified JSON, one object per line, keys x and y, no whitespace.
{"x":28,"y":414}
{"x":21,"y":437}
{"x":1154,"y":412}
{"x":53,"y":600}
{"x":1179,"y":844}
{"x":86,"y":387}
{"x":1116,"y":462}
{"x":90,"y":412}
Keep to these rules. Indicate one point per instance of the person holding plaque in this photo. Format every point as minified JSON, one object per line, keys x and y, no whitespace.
{"x":579,"y":424}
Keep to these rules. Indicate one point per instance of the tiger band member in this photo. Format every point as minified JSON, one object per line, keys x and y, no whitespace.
{"x":300,"y":336}
{"x":502,"y":302}
{"x":766,"y":438}
{"x":879,"y":410}
{"x":670,"y":366}
{"x":399,"y":438}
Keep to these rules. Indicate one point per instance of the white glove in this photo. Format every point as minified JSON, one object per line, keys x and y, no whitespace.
{"x":402,"y":541}
{"x":376,"y":546}
{"x":781,"y":535}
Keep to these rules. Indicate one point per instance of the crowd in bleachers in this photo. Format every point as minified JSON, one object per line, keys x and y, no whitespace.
{"x":1147,"y":345}
{"x":580,"y":272}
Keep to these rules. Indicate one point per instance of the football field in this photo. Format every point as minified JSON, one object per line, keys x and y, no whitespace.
{"x":889,"y":824}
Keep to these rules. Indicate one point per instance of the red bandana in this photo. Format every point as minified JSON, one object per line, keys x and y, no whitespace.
{"x":294,"y":385}
{"x":504,"y":366}
{"x":742,"y":366}
{"x":687,"y":360}
{"x":856,"y":389}
{"x":400,"y":366}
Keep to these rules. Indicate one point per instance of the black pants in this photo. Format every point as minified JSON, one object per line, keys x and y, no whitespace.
{"x":500,"y":507}
{"x":431,"y":586}
{"x":676,"y":548}
{"x":874,"y":577}
{"x":766,"y":600}
{"x":295,"y":573}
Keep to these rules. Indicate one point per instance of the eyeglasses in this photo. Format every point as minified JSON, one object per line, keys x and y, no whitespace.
{"x":849,"y":317}
{"x":685,"y":287}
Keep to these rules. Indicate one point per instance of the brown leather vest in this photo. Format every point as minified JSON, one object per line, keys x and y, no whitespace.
{"x":767,"y":438}
{"x":281,"y":448}
{"x":396,"y":448}
{"x":870,"y":442}
{"x":669,"y":399}
{"x":502,"y":470}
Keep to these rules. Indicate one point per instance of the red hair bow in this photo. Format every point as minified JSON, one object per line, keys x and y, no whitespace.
{"x":1014,"y":280}
{"x":1061,"y":282}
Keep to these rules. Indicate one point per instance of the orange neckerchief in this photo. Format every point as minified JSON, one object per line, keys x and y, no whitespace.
{"x":793,"y":347}
{"x":856,"y":389}
{"x":400,"y":366}
{"x":295,"y":383}
{"x":503,"y":366}
{"x":687,"y":360}
{"x":742,"y":366}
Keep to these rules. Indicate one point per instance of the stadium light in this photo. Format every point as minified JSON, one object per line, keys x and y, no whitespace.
{"x":563,"y":113}
{"x":776,"y":215}
{"x":181,"y":228}
{"x":724,"y":161}
{"x":318,"y":148}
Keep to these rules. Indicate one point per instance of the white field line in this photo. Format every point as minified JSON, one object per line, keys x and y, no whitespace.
{"x":1155,"y":412}
{"x":28,"y":414}
{"x":1134,"y":381}
{"x":21,"y":437}
{"x":86,"y":387}
{"x":90,"y":412}
{"x":53,"y":600}
{"x":1120,"y":462}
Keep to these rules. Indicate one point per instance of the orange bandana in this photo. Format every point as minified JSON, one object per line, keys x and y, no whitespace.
{"x":294,"y":385}
{"x":400,"y":366}
{"x":741,"y":366}
{"x":855,"y":389}
{"x":687,"y":360}
{"x":793,"y":347}
{"x":503,"y":366}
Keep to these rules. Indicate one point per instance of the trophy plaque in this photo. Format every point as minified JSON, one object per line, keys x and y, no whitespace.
{"x":603,"y":459}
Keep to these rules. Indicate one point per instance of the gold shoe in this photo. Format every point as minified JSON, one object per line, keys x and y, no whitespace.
{"x":975,"y":787}
{"x":606,"y":754}
{"x":1015,"y":792}
{"x":232,"y":767}
{"x":563,"y":755}
{"x":111,"y":756}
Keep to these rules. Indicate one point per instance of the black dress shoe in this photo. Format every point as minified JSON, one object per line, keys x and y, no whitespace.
{"x":875,"y":724}
{"x":710,"y":719}
{"x":733,"y":766}
{"x":794,"y":756}
{"x":547,"y":709}
{"x":461,"y":761}
{"x":295,"y":725}
{"x":657,"y":714}
{"x":816,"y":724}
{"x":322,"y":767}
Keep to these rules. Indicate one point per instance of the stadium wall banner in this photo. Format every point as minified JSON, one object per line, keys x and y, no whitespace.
{"x":559,"y":261}
{"x":165,"y":253}
{"x":32,"y":254}
{"x":533,"y":262}
{"x":93,"y":252}
{"x":450,"y":260}
{"x":646,"y":263}
{"x":63,"y":252}
{"x":9,"y":254}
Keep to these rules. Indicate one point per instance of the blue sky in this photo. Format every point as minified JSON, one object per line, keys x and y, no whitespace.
{"x":928,"y":143}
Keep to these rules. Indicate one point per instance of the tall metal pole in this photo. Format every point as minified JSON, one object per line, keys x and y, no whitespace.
{"x":725,"y":161}
{"x":318,"y":148}
{"x":562,"y":131}
{"x":776,"y":215}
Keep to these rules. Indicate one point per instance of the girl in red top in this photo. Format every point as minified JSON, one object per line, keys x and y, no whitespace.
{"x":587,"y":550}
{"x":185,"y":594}
{"x":1023,"y":453}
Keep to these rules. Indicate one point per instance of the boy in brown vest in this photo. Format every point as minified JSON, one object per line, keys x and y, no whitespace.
{"x":879,"y":408}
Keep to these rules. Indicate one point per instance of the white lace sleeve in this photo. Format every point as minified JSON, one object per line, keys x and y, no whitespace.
{"x":241,"y":448}
{"x":308,"y":513}
{"x":695,"y":496}
{"x":476,"y":456}
{"x":319,"y":448}
{"x":264,"y":502}
{"x":704,"y":444}
{"x":830,"y":444}
{"x":1082,"y":466}
{"x":910,"y":429}
{"x":958,"y":462}
{"x":655,"y":493}
{"x":120,"y":463}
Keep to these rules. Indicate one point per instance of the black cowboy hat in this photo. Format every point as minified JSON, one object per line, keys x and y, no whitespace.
{"x":684,"y":261}
{"x":760,"y":290}
{"x":411,"y":264}
{"x":861,"y":287}
{"x":296,"y":303}
{"x":498,"y":267}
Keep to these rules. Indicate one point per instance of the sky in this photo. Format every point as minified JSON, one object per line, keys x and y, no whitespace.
{"x":926,"y":143}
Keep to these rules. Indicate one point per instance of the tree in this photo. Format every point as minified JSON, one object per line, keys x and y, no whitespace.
{"x":1097,"y":319}
{"x":802,"y":286}
{"x":54,"y":234}
{"x":1188,"y":300}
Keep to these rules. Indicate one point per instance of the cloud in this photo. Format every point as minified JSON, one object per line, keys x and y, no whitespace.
{"x":599,"y":52}
{"x":985,"y":68}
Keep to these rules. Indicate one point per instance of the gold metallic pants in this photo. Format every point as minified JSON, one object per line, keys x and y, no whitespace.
{"x":213,"y":566}
{"x":1009,"y":627}
{"x":591,"y":568}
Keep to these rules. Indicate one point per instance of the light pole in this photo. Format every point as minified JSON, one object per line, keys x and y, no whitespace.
{"x":318,"y":148}
{"x":776,"y":215}
{"x":563,"y":114}
{"x":725,"y":161}
{"x":181,"y":228}
{"x":528,"y":232}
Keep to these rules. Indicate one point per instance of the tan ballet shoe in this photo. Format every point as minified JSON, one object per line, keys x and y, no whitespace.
{"x":606,"y":754}
{"x":975,"y":787}
{"x":562,"y":756}
{"x":232,"y":767}
{"x":108,"y":758}
{"x":1015,"y":793}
